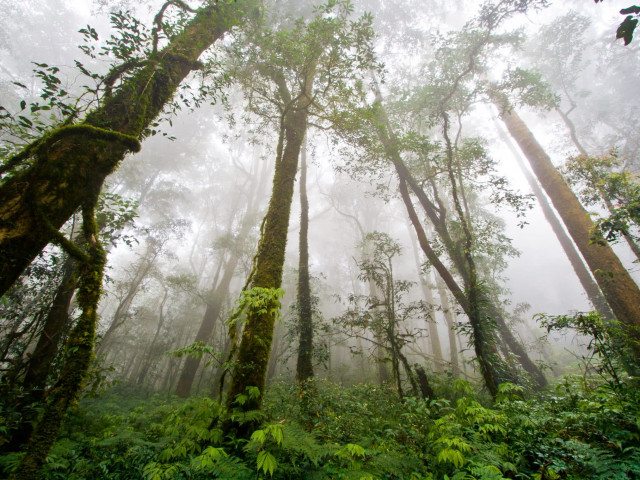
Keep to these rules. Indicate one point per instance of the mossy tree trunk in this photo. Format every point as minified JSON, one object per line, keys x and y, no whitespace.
{"x":78,"y":352}
{"x":484,"y":343}
{"x":55,"y":325}
{"x":42,"y":359}
{"x":255,"y":344}
{"x":304,"y":365}
{"x":620,"y":290}
{"x":52,"y":184}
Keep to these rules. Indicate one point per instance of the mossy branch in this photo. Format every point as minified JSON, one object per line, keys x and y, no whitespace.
{"x":157,"y":20}
{"x":83,"y":130}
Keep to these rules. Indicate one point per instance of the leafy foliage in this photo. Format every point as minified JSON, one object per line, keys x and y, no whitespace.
{"x":580,"y":429}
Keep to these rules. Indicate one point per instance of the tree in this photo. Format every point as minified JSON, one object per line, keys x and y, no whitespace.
{"x":304,"y":365}
{"x":300,"y":71}
{"x":49,"y":179}
{"x":620,"y":290}
{"x":584,"y":276}
{"x":79,"y":348}
{"x":215,"y":300}
{"x":385,"y":317}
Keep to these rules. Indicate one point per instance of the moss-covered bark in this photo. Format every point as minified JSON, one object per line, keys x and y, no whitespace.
{"x":588,"y":283}
{"x":50,"y":183}
{"x":483,"y":340}
{"x":255,"y":345}
{"x":304,"y":366}
{"x":78,"y":353}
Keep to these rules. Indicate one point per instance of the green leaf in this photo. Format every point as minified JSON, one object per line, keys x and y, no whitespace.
{"x":626,"y":28}
{"x":267,"y":462}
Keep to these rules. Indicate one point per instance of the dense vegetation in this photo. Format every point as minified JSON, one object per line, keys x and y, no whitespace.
{"x":159,"y":323}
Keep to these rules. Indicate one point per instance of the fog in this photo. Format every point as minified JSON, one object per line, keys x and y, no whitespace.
{"x":200,"y":186}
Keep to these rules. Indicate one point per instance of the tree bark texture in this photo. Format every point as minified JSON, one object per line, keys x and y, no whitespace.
{"x":618,"y":287}
{"x":584,"y":276}
{"x":78,"y":355}
{"x":304,"y":365}
{"x":255,"y":345}
{"x":38,"y":199}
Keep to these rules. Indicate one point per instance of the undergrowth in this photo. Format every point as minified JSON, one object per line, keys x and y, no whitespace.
{"x":580,"y":429}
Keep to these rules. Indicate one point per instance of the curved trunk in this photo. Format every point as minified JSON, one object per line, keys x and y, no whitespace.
{"x":36,"y":201}
{"x":78,"y":355}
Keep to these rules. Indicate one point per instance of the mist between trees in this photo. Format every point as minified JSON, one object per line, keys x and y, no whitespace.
{"x":354,"y":239}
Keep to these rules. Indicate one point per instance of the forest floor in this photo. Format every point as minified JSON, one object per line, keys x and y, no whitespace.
{"x":580,"y":428}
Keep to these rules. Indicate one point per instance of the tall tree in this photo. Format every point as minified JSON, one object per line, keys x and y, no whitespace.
{"x":301,"y":71}
{"x":304,"y":365}
{"x":220,"y":288}
{"x":586,"y":279}
{"x":620,"y":290}
{"x":79,"y":348}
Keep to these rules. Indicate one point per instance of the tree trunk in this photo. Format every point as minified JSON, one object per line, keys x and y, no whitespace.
{"x":209,"y":320}
{"x":618,"y":287}
{"x":121,"y":313}
{"x":78,"y":354}
{"x":304,"y":366}
{"x":41,"y":360}
{"x":484,"y":344}
{"x":55,"y":324}
{"x":221,"y":288}
{"x":255,"y":345}
{"x":151,"y":353}
{"x":430,"y":318}
{"x":584,"y":276}
{"x":426,"y":390}
{"x":448,"y":317}
{"x":36,"y":201}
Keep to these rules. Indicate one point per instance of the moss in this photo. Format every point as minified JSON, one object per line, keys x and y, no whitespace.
{"x":255,"y":345}
{"x":78,"y":353}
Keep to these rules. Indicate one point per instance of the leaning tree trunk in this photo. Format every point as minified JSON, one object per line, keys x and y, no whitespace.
{"x":42,"y":358}
{"x":584,"y":276}
{"x":304,"y":366}
{"x":55,"y":325}
{"x":483,"y":340}
{"x":78,"y":353}
{"x":620,"y":290}
{"x":37,"y":200}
